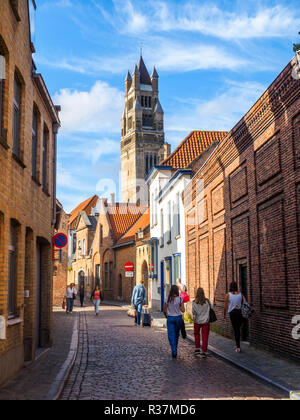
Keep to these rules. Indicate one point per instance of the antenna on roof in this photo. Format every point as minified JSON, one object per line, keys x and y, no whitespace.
{"x":141,"y":48}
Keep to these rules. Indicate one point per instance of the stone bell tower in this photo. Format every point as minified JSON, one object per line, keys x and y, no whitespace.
{"x":143,"y":141}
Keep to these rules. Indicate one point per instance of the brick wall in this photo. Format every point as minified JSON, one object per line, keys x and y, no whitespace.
{"x":22,"y":199}
{"x":251,"y":221}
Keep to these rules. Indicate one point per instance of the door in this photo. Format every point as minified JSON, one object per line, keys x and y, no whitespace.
{"x":244,"y":289}
{"x":162,"y":284}
{"x":120,"y":287}
{"x":38,"y":297}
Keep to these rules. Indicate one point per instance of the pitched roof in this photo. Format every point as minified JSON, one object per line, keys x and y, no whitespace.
{"x":86,"y":206}
{"x":192,"y":147}
{"x":122,"y":217}
{"x":141,"y":223}
{"x":144,"y":75}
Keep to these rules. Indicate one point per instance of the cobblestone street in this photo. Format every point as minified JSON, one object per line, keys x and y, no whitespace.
{"x":117,"y":360}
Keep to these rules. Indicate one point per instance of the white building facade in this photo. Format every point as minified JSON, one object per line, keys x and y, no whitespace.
{"x":167,"y":223}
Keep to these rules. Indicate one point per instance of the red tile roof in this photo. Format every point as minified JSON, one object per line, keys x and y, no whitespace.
{"x":86,"y":206}
{"x":192,"y":147}
{"x":141,"y":223}
{"x":122,"y":217}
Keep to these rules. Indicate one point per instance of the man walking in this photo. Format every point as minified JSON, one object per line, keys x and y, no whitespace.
{"x":138,"y":300}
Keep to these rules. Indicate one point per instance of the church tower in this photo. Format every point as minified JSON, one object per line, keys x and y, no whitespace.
{"x":143,"y":141}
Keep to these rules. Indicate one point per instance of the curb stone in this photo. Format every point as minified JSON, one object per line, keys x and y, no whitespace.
{"x":64,"y":373}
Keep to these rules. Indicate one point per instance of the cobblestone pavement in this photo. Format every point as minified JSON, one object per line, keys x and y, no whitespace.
{"x":34,"y":381}
{"x":118,"y":361}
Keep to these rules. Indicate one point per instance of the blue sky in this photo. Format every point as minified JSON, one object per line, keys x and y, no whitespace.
{"x":214,"y":60}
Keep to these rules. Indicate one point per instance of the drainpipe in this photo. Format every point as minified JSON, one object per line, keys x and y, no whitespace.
{"x":55,"y":128}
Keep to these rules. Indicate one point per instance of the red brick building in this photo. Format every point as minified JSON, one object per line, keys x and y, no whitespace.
{"x":28,"y":133}
{"x":244,"y":225}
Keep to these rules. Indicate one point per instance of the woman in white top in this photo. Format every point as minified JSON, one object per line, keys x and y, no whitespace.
{"x":201,"y":310}
{"x":71,"y":293}
{"x":174,"y":308}
{"x":233,"y":306}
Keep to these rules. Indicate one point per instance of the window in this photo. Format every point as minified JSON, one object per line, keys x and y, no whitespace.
{"x":156,"y":207}
{"x":106,"y":275}
{"x":101,"y":235}
{"x":146,"y":164}
{"x":177,"y":267}
{"x":98,"y":275}
{"x":130,"y":123}
{"x":147,"y":121}
{"x":15,"y":7}
{"x":45,"y":159}
{"x":74,"y":243}
{"x":34,"y":142}
{"x":111,"y":275}
{"x":13,"y":269}
{"x":177,"y":215}
{"x":2,"y":77}
{"x":17,"y":117}
{"x":162,"y":232}
{"x":169,"y":222}
{"x":83,"y":247}
{"x":79,"y":250}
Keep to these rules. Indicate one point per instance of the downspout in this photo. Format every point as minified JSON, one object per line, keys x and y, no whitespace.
{"x":55,"y":128}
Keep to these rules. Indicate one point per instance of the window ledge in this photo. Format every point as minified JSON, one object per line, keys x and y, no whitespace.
{"x":45,"y":191}
{"x":178,"y":237}
{"x":14,"y":321}
{"x":3,"y":139}
{"x":18,"y":160}
{"x":35,"y":179}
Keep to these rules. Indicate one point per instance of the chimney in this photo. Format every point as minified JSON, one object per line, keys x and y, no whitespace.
{"x":113,"y":198}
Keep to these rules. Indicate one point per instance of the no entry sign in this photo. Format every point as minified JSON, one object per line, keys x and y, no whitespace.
{"x":129,"y":266}
{"x":60,"y":240}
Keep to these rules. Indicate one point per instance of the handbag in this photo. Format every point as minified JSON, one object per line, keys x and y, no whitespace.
{"x":63,"y":305}
{"x":212,"y":315}
{"x":247,"y":311}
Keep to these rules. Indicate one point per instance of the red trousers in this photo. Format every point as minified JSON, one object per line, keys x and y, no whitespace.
{"x":205,"y":335}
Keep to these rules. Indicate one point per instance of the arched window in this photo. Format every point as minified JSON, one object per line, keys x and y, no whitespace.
{"x":45,"y":159}
{"x":17,"y":116}
{"x":34,"y":154}
{"x":4,"y":80}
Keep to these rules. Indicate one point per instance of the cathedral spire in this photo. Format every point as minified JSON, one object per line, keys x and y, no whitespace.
{"x":145,"y":78}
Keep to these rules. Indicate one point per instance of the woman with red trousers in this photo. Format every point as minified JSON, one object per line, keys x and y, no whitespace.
{"x":201,"y":310}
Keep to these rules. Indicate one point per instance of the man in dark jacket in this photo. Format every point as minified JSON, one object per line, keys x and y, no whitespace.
{"x":138,"y":300}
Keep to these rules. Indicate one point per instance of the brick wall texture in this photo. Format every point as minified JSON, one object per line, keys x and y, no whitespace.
{"x":247,"y":218}
{"x":23,"y":202}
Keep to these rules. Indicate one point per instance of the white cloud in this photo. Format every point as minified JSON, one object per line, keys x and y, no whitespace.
{"x":179,"y":57}
{"x":97,"y":110}
{"x":207,"y":19}
{"x":218,"y":114}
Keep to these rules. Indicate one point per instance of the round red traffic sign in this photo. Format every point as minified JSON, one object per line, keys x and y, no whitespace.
{"x":60,"y":240}
{"x":129,"y":266}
